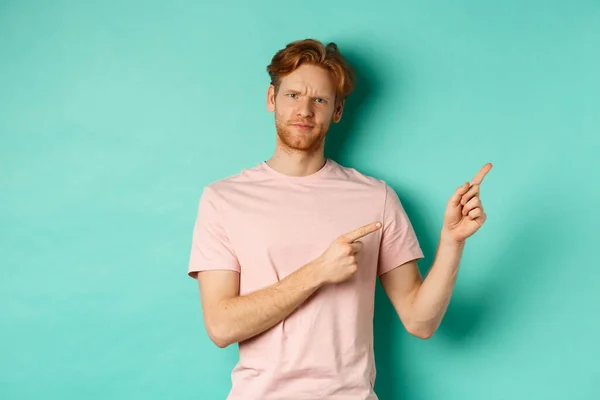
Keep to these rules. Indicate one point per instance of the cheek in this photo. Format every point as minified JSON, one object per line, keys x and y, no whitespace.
{"x":284,"y":110}
{"x":324,"y":117}
{"x":281,"y":113}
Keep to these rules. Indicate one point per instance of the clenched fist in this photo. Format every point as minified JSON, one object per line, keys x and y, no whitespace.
{"x":338,"y":262}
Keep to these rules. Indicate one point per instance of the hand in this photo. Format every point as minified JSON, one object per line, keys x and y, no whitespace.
{"x":338,"y":262}
{"x":464,"y":213}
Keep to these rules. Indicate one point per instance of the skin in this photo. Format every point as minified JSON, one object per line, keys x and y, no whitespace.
{"x":304,"y":106}
{"x":306,"y":96}
{"x":422,"y":304}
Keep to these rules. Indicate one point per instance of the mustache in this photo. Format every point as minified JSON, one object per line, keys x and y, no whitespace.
{"x":301,"y":122}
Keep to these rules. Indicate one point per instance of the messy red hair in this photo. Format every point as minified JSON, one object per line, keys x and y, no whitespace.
{"x":311,"y":51}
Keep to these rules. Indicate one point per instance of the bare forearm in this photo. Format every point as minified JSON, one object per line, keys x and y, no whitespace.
{"x":243,"y":317}
{"x":433,"y":296}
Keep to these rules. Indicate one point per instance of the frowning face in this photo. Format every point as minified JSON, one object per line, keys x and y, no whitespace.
{"x":304,"y":107}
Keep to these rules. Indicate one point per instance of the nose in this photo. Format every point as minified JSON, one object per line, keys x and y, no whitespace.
{"x":305,"y":108}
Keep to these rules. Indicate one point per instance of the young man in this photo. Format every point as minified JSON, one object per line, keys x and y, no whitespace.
{"x":287,"y":253}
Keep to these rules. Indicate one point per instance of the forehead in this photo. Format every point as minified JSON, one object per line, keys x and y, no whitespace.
{"x":309,"y":78}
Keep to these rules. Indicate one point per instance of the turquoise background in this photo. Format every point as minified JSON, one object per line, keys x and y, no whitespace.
{"x":114,"y":115}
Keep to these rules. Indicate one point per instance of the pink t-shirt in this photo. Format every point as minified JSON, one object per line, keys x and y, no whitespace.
{"x":265,"y":225}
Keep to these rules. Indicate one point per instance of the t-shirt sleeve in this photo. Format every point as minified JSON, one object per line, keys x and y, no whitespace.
{"x":399,"y":243}
{"x":211,"y":248}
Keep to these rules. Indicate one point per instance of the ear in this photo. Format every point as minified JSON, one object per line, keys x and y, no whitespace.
{"x":271,"y":98}
{"x":337,"y":113}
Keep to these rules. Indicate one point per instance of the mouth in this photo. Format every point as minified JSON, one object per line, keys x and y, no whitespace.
{"x":303,"y":127}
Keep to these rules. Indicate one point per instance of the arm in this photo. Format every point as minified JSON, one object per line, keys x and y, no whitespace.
{"x":421,"y":304}
{"x":230,"y":318}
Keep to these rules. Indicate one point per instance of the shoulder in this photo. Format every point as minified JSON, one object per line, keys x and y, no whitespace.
{"x":230,"y":184}
{"x":379,"y":190}
{"x":355,"y":176}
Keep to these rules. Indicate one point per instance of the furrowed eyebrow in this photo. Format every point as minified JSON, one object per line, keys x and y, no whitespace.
{"x":314,"y":97}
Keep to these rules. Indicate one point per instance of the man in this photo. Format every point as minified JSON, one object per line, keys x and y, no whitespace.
{"x":287,"y":252}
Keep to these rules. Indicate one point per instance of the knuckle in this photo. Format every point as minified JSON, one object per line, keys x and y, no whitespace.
{"x":347,"y":249}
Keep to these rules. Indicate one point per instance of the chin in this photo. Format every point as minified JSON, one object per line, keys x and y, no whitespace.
{"x":300,"y":141}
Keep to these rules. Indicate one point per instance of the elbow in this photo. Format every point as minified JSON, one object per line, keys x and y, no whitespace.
{"x":421,"y":331}
{"x":219,"y":334}
{"x":219,"y":341}
{"x":423,"y":335}
{"x":221,"y":344}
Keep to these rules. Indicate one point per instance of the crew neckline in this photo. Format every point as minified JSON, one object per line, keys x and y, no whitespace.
{"x":314,"y":175}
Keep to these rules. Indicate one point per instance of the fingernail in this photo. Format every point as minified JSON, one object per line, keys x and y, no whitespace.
{"x":378,"y":224}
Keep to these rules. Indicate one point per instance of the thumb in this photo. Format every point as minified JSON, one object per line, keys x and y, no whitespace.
{"x":455,"y":199}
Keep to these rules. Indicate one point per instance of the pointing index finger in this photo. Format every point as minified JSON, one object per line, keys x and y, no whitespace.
{"x":361,"y":232}
{"x":481,"y":174}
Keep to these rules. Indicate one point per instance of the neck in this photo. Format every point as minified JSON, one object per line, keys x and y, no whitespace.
{"x":296,"y":163}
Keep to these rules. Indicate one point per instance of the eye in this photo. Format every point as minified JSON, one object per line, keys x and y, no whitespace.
{"x":293,"y":95}
{"x":320,"y":100}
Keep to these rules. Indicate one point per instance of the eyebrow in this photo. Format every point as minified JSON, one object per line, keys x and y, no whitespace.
{"x":314,"y":97}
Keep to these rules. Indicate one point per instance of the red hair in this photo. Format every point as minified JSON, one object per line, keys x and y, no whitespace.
{"x":312,"y":51}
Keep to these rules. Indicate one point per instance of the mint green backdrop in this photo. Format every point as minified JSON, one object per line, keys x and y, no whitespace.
{"x":114,"y":115}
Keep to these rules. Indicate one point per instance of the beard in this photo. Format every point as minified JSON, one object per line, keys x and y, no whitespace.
{"x":297,"y":140}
